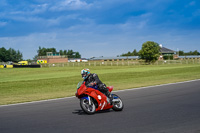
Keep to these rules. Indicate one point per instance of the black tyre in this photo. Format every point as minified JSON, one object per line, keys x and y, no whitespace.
{"x":117,"y":103}
{"x":86,"y":107}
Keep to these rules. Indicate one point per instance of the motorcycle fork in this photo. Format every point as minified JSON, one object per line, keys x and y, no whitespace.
{"x":89,"y":100}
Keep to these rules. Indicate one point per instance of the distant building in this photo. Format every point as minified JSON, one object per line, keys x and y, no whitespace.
{"x":54,"y":58}
{"x":114,"y":58}
{"x":77,"y":60}
{"x":189,"y":57}
{"x":167,"y":53}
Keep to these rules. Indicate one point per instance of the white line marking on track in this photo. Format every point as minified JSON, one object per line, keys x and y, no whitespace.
{"x":158,"y":85}
{"x":36,"y":101}
{"x":113,"y":91}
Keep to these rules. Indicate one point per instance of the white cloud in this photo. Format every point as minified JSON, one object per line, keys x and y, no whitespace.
{"x":136,"y":23}
{"x":60,"y":19}
{"x":31,"y":10}
{"x":91,"y":38}
{"x":70,"y":5}
{"x":26,"y":18}
{"x":37,"y":9}
{"x":85,"y":30}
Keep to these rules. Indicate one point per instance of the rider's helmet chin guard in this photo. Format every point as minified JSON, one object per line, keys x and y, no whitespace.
{"x":85,"y":73}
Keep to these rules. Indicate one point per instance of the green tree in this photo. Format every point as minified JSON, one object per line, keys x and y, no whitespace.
{"x":195,"y":52}
{"x":134,"y":53}
{"x":4,"y":56}
{"x":181,"y":53}
{"x":10,"y":55}
{"x":43,"y":51}
{"x":77,"y":55}
{"x":65,"y":52}
{"x":70,"y":53}
{"x":61,"y":52}
{"x":19,"y":56}
{"x":150,"y":51}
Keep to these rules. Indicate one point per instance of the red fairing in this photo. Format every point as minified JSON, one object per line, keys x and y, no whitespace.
{"x":81,"y":90}
{"x":96,"y":94}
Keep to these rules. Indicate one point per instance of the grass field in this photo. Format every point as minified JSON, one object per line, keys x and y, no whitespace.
{"x":31,"y":84}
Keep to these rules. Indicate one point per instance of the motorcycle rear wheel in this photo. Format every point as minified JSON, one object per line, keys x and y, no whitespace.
{"x":89,"y":109}
{"x":117,"y":103}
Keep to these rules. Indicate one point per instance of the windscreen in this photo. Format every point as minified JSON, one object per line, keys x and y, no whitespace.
{"x":79,"y":84}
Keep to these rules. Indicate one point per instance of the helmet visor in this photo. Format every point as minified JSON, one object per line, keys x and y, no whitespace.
{"x":83,"y":75}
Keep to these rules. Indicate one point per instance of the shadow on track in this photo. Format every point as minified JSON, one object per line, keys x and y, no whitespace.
{"x":81,"y":112}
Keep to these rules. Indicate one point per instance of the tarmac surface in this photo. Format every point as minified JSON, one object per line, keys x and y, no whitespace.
{"x":173,"y":108}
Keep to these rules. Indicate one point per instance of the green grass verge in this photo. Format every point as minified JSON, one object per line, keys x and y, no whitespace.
{"x":31,"y":84}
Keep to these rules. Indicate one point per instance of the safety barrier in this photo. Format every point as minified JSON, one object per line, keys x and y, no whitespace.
{"x":1,"y":66}
{"x":9,"y":66}
{"x":26,"y":66}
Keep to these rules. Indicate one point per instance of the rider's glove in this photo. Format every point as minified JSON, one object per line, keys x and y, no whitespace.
{"x":91,"y":84}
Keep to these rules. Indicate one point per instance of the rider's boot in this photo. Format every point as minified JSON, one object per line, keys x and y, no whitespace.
{"x":108,"y":94}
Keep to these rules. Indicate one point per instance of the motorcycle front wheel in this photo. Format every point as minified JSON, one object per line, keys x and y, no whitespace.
{"x":86,"y":107}
{"x":117,"y":103}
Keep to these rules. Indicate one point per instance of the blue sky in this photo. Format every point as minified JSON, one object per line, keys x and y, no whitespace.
{"x":98,"y":27}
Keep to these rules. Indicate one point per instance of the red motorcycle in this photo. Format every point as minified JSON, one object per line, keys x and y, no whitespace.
{"x":92,"y":100}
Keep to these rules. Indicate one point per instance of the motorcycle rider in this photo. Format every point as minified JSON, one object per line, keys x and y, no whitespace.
{"x":92,"y":79}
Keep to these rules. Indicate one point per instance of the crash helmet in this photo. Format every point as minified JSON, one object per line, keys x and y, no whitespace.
{"x":85,"y":73}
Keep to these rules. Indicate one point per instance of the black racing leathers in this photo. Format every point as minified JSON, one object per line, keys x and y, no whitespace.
{"x":93,"y":79}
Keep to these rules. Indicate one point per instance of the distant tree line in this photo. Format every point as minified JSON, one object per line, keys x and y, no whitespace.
{"x":10,"y":55}
{"x":43,"y":51}
{"x":150,"y":52}
{"x":70,"y":53}
{"x":134,"y":53}
{"x":182,"y":53}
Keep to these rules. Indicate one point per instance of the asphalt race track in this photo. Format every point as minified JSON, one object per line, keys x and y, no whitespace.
{"x":173,"y":108}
